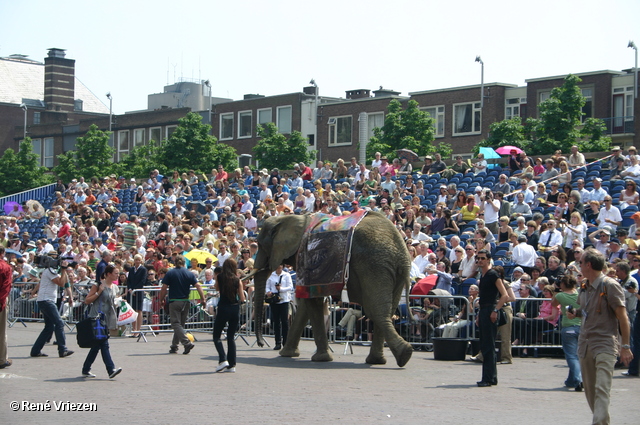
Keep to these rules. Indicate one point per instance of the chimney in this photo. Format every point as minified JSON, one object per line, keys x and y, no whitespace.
{"x":310,"y":90}
{"x":358,"y":94}
{"x":59,"y":81}
{"x":385,"y":92}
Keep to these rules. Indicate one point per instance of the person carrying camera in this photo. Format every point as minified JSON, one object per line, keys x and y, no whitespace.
{"x":50,"y":280}
{"x":280,"y":283}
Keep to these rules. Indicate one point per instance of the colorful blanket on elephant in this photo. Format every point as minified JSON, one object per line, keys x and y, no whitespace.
{"x":324,"y":253}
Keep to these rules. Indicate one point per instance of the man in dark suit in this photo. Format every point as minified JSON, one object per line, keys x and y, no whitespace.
{"x":136,"y":279}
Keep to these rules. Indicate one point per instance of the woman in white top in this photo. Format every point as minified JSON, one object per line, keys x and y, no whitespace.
{"x":280,"y":283}
{"x":565,"y":174}
{"x":576,"y":229}
{"x":629,"y":196}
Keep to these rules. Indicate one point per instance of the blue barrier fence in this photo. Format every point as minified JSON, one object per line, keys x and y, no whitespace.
{"x":37,"y":193}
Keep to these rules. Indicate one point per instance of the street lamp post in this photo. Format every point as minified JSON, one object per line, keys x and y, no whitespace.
{"x":110,"y":109}
{"x":24,"y":108}
{"x":479,"y":59}
{"x":315,"y":107}
{"x":208,"y":84}
{"x":635,"y":69}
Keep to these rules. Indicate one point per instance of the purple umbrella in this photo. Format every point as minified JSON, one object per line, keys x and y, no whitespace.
{"x":8,"y":207}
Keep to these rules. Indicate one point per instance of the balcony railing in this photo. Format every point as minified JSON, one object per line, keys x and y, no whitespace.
{"x":619,"y":125}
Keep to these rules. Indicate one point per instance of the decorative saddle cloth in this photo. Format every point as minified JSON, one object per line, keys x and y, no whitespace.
{"x":324,"y":254}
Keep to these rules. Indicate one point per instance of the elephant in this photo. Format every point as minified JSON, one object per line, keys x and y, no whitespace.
{"x":379,"y":270}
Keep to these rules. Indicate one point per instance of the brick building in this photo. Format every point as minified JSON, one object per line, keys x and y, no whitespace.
{"x":59,"y":108}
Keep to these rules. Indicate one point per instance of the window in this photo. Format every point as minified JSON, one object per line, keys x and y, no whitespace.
{"x":340,"y":130}
{"x":544,"y":95}
{"x":466,"y":118}
{"x":155,"y":133}
{"x":437,"y":113}
{"x":374,"y":120}
{"x":587,"y":109}
{"x":265,"y":116}
{"x":138,"y":137}
{"x":123,"y":144}
{"x":77,"y":105}
{"x":622,"y":110}
{"x":226,"y":126}
{"x":170,"y":130}
{"x":48,"y":152}
{"x":284,"y":119}
{"x":37,"y":149}
{"x":244,"y":124}
{"x":512,"y":108}
{"x":36,"y":117}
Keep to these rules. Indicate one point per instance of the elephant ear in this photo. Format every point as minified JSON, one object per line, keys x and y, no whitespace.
{"x":280,"y":240}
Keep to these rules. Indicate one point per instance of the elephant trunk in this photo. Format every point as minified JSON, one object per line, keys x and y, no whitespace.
{"x":259,"y":285}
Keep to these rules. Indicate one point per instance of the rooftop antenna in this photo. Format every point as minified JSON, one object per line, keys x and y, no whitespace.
{"x":167,"y":70}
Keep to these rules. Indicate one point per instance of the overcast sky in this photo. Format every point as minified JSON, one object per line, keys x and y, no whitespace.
{"x":133,"y":48}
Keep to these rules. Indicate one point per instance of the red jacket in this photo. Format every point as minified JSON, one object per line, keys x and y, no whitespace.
{"x":6,"y":279}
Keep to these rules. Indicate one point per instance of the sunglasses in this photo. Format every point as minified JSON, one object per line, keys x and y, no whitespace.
{"x":480,"y":258}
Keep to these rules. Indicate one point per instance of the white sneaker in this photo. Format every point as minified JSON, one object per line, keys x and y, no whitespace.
{"x":88,"y":375}
{"x":115,"y":373}
{"x":222,"y":366}
{"x":231,"y":369}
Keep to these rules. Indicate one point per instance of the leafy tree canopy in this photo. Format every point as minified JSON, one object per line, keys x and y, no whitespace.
{"x":275,"y":150}
{"x":559,"y":126}
{"x":21,"y":171}
{"x":192,"y":147}
{"x":93,"y":157}
{"x":408,"y":128}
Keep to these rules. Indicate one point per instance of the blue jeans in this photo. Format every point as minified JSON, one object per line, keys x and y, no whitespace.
{"x":227,"y":313}
{"x":570,"y":335}
{"x":52,"y":323}
{"x":103,"y":347}
{"x":635,"y":348}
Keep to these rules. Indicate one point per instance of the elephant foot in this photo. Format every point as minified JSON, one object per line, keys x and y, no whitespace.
{"x":403,"y":356}
{"x":376,"y":359}
{"x":289,"y":352}
{"x":322,"y":357}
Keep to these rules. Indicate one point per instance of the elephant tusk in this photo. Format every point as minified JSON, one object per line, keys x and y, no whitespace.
{"x":253,"y":273}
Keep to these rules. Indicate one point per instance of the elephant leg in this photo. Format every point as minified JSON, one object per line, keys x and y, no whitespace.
{"x":400,"y":348}
{"x":376,"y":354}
{"x":290,"y":348}
{"x":316,"y":314}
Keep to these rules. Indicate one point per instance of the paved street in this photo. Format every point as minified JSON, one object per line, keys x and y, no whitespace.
{"x":157,"y":387}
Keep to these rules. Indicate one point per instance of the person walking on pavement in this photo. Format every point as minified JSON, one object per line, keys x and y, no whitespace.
{"x":6,"y":278}
{"x":47,"y":289}
{"x":101,"y":300}
{"x":603,"y":312}
{"x":231,"y":296}
{"x":178,"y":281}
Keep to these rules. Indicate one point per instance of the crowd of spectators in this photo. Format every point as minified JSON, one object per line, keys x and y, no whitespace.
{"x":534,"y":216}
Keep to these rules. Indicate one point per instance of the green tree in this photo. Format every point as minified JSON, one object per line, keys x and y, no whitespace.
{"x":93,"y":157}
{"x":559,"y":125}
{"x":21,"y":171}
{"x":192,"y":147}
{"x":275,"y":150}
{"x":408,"y":128}
{"x":141,"y":161}
{"x":509,"y":132}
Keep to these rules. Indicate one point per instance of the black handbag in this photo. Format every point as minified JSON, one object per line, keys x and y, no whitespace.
{"x":92,"y":331}
{"x":502,"y":318}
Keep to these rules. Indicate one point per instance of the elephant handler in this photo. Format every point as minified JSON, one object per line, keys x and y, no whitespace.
{"x":280,"y":283}
{"x":179,"y":281}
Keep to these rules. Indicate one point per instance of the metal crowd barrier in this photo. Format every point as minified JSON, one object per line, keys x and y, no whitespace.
{"x":425,"y":318}
{"x":530,"y":332}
